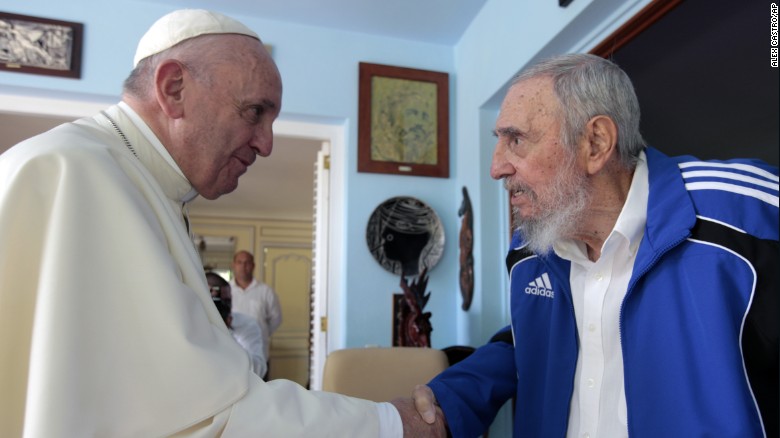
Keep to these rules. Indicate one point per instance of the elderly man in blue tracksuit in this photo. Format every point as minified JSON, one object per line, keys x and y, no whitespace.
{"x":644,"y":289}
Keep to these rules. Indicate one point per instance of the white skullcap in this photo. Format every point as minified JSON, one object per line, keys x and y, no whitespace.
{"x":184,"y":24}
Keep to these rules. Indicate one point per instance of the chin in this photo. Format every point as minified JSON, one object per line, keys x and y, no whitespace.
{"x":210,"y":196}
{"x":217,"y":190}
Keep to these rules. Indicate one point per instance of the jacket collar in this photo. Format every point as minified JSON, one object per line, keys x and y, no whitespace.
{"x":670,"y":215}
{"x":670,"y":212}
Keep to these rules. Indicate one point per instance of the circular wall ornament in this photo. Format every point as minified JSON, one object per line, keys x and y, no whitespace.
{"x":405,"y":235}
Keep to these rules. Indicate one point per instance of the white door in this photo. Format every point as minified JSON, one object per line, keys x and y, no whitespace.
{"x":319,"y":299}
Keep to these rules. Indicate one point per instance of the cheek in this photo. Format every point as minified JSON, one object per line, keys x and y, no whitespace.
{"x":212,"y":165}
{"x":522,"y":166}
{"x":213,"y":169}
{"x":546,"y":167}
{"x":546,"y":172}
{"x":534,"y":172}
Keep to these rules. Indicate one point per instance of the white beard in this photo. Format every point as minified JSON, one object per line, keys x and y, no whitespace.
{"x":562,"y":207}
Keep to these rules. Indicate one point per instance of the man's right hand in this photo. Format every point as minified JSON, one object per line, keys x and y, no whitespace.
{"x":420,"y":415}
{"x":425,"y":403}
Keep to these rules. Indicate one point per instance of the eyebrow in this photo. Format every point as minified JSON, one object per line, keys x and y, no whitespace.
{"x":268,"y":103}
{"x":507,"y":132}
{"x":242,"y":105}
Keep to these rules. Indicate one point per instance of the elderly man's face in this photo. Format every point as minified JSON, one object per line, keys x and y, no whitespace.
{"x":231,"y":118}
{"x":548,"y":190}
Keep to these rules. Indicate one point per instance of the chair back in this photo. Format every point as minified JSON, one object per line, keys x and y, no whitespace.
{"x":381,"y":374}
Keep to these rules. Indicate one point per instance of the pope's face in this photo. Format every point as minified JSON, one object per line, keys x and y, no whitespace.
{"x":232,"y":119}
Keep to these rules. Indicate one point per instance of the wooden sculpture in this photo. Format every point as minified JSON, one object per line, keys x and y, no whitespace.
{"x":415,"y":325}
{"x":466,"y":248}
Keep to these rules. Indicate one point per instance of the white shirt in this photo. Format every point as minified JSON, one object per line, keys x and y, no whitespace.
{"x":247,"y":332}
{"x":259,"y":301}
{"x":598,"y":403}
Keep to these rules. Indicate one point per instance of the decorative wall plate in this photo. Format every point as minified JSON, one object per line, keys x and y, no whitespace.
{"x":405,"y":235}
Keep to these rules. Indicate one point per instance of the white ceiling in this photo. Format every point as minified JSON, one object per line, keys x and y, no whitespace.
{"x":282,"y":185}
{"x":433,"y":21}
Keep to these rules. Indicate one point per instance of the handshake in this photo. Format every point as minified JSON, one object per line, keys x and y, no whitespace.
{"x":421,"y":415}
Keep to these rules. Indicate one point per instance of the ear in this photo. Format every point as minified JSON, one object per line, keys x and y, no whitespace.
{"x":599,"y":142}
{"x":169,"y":80}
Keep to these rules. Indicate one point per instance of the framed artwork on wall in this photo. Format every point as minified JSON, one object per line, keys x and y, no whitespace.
{"x":403,"y":121}
{"x":40,"y":45}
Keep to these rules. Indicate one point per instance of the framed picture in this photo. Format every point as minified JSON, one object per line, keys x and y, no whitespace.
{"x":403,"y":121}
{"x":40,"y":45}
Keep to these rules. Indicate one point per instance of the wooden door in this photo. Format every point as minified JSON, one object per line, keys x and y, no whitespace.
{"x":288,"y":272}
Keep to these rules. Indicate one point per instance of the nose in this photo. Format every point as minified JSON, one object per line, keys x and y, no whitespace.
{"x":263,"y":141}
{"x":500,"y":167}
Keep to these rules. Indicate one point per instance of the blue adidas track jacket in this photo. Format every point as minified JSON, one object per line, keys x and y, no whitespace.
{"x":698,"y":326}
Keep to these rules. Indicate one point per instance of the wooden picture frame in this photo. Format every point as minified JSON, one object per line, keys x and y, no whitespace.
{"x":41,"y":46}
{"x":403,"y":121}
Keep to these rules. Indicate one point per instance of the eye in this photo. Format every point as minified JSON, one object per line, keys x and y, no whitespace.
{"x":253,"y":113}
{"x":511,"y":137}
{"x":517,"y":142}
{"x":513,"y":142}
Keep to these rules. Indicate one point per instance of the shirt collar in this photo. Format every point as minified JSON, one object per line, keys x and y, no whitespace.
{"x":633,"y":217}
{"x":158,"y":146}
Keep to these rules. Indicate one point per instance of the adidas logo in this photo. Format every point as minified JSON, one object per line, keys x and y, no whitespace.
{"x":541,"y":286}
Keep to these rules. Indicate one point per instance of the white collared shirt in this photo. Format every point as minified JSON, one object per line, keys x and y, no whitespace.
{"x":598,"y":403}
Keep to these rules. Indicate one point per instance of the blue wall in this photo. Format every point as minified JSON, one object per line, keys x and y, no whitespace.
{"x":320,"y":73}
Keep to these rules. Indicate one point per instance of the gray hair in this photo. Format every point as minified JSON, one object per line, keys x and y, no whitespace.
{"x":587,"y":86}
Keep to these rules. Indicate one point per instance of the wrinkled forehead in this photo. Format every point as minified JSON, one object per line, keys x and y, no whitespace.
{"x":254,"y":65}
{"x":537,"y":92}
{"x":528,"y":103}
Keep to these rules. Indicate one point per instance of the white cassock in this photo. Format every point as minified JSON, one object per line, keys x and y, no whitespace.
{"x":107,"y":327}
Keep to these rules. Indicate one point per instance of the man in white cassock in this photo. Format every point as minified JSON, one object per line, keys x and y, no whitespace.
{"x":107,"y":324}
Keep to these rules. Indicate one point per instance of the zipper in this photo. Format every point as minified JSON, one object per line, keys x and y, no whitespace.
{"x":631,"y":285}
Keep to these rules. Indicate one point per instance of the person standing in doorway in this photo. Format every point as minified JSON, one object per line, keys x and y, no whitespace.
{"x":255,"y":298}
{"x":244,"y":329}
